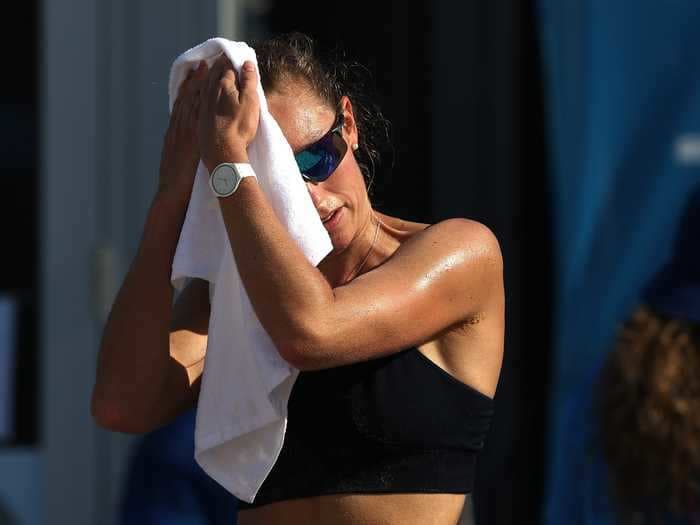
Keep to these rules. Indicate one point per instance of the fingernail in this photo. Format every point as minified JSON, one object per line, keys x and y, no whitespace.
{"x":248,"y":66}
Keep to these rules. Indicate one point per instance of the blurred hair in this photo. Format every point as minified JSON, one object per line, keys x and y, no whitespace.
{"x":293,"y":56}
{"x":649,"y":410}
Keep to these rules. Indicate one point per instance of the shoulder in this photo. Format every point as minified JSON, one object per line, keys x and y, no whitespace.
{"x":467,"y":233}
{"x":466,"y":242}
{"x":461,"y":257}
{"x":453,"y":230}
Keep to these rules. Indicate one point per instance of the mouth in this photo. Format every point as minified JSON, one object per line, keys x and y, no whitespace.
{"x":329,"y":216}
{"x":333,"y":219}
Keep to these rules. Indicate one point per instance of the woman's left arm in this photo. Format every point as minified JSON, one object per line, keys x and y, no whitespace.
{"x":437,"y":278}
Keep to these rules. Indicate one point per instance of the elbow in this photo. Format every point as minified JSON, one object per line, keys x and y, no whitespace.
{"x":299,"y":360}
{"x":116,"y":418}
{"x":295,"y":356}
{"x":302,"y":352}
{"x":105,"y":416}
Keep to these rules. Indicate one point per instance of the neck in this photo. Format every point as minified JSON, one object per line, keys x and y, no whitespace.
{"x":361,"y":255}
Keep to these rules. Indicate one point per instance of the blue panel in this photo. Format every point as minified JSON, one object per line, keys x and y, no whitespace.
{"x":623,"y":97}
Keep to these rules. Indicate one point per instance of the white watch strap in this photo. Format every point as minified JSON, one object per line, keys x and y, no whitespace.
{"x":245,"y":169}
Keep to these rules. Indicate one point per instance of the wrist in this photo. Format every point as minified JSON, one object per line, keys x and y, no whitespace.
{"x":233,"y":157}
{"x":171,"y":200}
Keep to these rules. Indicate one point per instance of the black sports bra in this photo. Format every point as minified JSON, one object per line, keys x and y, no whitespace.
{"x":399,"y":423}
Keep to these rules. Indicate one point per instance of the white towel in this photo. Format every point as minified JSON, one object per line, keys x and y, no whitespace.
{"x":242,"y":409}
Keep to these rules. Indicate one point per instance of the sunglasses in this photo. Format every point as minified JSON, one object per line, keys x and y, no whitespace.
{"x":318,"y":161}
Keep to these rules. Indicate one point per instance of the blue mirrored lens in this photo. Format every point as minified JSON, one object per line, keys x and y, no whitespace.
{"x":318,"y":161}
{"x":307,"y":160}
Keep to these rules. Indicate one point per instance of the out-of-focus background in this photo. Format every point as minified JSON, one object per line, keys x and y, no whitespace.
{"x":571,"y":128}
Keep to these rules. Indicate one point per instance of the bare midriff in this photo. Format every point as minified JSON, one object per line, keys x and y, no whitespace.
{"x":359,"y":509}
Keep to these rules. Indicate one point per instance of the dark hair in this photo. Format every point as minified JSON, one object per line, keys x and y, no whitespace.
{"x":649,"y":414}
{"x":294,"y":55}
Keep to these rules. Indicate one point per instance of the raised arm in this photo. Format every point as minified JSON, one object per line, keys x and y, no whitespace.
{"x":151,"y":354}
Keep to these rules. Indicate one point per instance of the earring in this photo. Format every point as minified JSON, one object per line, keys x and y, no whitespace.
{"x":355,"y":147}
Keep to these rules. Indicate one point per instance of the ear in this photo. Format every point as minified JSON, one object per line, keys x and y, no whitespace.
{"x":349,"y":124}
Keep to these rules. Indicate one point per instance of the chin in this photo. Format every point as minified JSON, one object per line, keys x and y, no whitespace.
{"x":339,"y":245}
{"x":339,"y":235}
{"x":340,"y":240}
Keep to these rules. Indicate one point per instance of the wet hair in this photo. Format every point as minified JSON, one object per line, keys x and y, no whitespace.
{"x":649,"y":414}
{"x":294,"y":56}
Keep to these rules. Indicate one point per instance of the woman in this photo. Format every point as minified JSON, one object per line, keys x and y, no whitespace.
{"x":398,"y":332}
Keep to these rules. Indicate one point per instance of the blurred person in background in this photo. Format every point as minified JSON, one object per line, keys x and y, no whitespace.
{"x":165,"y":485}
{"x":635,"y":424}
{"x":398,"y":333}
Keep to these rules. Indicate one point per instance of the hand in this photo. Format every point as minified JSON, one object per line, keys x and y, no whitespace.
{"x":180,"y":154}
{"x":229,"y":114}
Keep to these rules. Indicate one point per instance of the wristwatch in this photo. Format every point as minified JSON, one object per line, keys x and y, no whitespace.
{"x":226,"y":177}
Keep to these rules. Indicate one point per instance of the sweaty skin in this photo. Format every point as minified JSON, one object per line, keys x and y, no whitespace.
{"x":437,"y":287}
{"x":471,"y":352}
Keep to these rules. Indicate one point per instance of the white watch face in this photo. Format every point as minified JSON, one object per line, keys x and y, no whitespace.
{"x":223,"y":180}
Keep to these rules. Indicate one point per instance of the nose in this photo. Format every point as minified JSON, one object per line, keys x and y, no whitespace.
{"x":314,"y":191}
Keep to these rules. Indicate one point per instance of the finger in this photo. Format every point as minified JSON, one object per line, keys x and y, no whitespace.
{"x":229,"y":85}
{"x":249,"y":84}
{"x":216,"y":72}
{"x":190,"y":112}
{"x":203,"y":95}
{"x":176,"y":117}
{"x":210,"y":91}
{"x":187,"y":116}
{"x":195,"y":98}
{"x":176,"y":106}
{"x":194,"y":87}
{"x":186,"y":82}
{"x":181,"y":89}
{"x":198,"y":80}
{"x":225,"y":63}
{"x":209,"y":87}
{"x":193,"y":76}
{"x":199,"y":72}
{"x":195,"y":113}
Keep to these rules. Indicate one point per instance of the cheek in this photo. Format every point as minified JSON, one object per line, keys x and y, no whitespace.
{"x":349,"y":183}
{"x":351,"y":198}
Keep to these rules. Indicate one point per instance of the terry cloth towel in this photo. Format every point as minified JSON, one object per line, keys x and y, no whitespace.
{"x":242,"y":408}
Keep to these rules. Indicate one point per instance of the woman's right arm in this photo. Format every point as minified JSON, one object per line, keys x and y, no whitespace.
{"x":152,"y":354}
